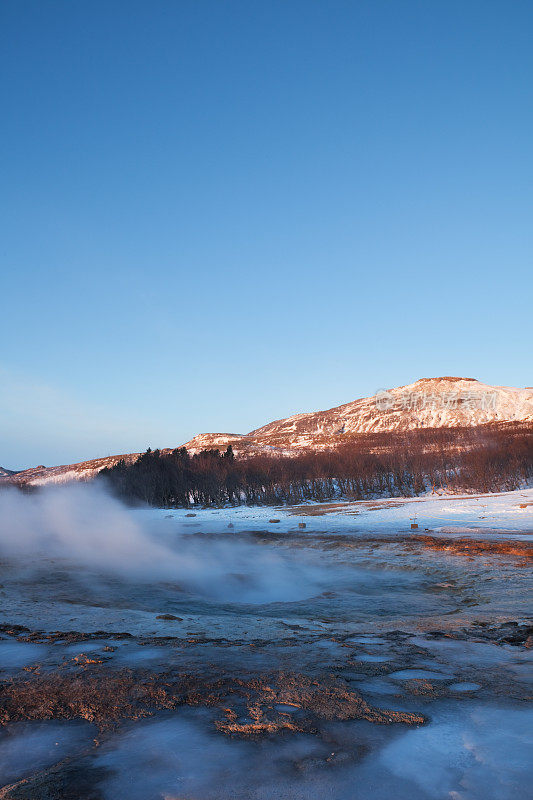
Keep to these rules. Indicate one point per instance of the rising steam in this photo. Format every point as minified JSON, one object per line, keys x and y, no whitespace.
{"x":83,"y":527}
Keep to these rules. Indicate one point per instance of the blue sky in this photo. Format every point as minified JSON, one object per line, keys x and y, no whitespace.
{"x":214,"y":214}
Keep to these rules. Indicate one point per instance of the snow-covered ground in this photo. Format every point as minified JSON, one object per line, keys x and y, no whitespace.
{"x":251,"y":555}
{"x":508,"y":513}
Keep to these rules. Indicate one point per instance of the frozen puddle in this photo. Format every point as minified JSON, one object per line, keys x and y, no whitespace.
{"x":83,"y":648}
{"x":182,"y":758}
{"x":464,"y":687}
{"x":16,"y":655}
{"x":26,"y":747}
{"x":367,"y":640}
{"x":482,"y":754}
{"x":460,"y":653}
{"x":408,"y":674}
{"x":371,"y":658}
{"x":376,"y":686}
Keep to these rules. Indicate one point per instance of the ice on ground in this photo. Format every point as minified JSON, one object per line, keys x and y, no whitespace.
{"x":464,"y":687}
{"x":15,"y":655}
{"x":27,"y":747}
{"x":371,"y":658}
{"x":468,"y":754}
{"x":410,"y":674}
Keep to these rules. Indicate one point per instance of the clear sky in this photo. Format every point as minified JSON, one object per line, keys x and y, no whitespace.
{"x":218,"y":213}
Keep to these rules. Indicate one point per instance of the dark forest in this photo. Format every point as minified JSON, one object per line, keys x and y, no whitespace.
{"x":484,"y":459}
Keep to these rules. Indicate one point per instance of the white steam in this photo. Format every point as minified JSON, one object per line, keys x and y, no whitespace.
{"x":83,"y":527}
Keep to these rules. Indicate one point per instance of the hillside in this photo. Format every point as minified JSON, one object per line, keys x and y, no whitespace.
{"x":428,"y":403}
{"x":83,"y":471}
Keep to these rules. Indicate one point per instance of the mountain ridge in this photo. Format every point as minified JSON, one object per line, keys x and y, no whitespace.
{"x":428,"y":402}
{"x":442,"y":402}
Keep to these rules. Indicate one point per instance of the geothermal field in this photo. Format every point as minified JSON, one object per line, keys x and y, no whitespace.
{"x":319,"y":651}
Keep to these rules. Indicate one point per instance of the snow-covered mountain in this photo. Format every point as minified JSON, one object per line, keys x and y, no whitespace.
{"x":83,"y":471}
{"x":428,"y":403}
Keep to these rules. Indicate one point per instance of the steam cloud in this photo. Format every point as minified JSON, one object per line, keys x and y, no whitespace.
{"x":83,"y":527}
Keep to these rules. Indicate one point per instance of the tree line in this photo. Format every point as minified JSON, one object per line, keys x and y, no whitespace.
{"x":484,"y":459}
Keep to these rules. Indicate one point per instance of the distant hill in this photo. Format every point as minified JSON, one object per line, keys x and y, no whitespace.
{"x":429,"y":403}
{"x":85,"y":470}
{"x":446,"y":402}
{"x":6,"y":473}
